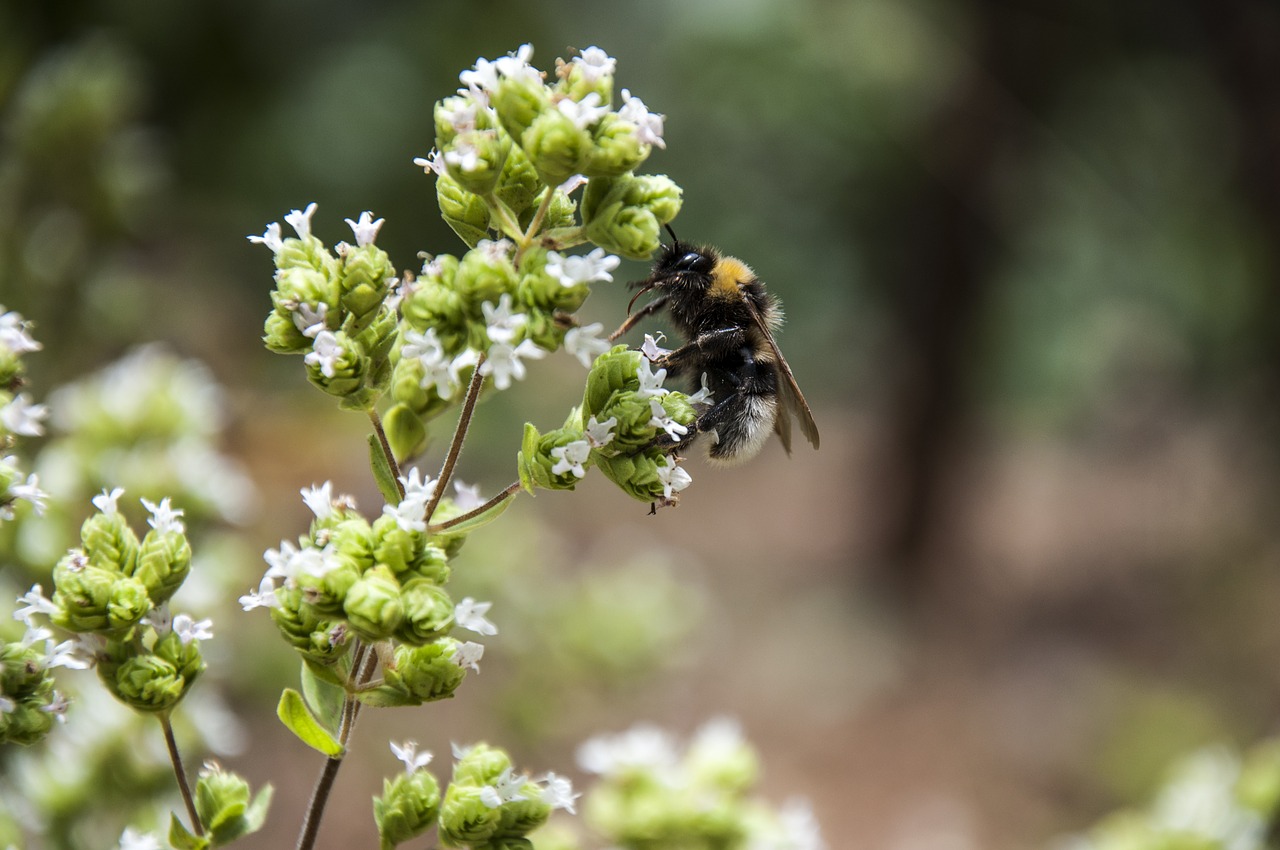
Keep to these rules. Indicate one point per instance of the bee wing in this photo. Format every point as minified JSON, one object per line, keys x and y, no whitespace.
{"x":789,"y":395}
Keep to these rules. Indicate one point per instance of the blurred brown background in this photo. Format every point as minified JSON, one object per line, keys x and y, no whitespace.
{"x":1031,"y":264}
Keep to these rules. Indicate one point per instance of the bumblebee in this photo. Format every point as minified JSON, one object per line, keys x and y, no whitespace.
{"x":727,"y":320}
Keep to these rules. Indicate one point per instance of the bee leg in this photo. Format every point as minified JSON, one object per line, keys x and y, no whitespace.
{"x":720,"y":341}
{"x":647,"y":310}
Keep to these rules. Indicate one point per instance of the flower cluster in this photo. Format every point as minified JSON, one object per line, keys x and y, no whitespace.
{"x":20,"y":416}
{"x":489,"y":806}
{"x":332,"y":306}
{"x":626,"y":425}
{"x":1213,"y":800}
{"x":510,"y":143}
{"x":378,"y":581}
{"x":651,"y":794}
{"x":112,"y":593}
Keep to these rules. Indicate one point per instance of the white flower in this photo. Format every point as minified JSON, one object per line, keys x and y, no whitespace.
{"x":300,"y":220}
{"x":574,"y":269}
{"x":718,"y":739}
{"x":460,"y":113}
{"x":15,"y":333}
{"x":796,"y":829}
{"x":410,"y":514}
{"x":702,"y":396}
{"x":319,"y":498}
{"x":594,"y":64}
{"x":484,"y":76}
{"x":35,"y":602}
{"x":507,"y":788}
{"x":432,"y":163}
{"x":460,"y":750}
{"x":135,"y":839}
{"x":583,"y":113}
{"x":600,"y":434}
{"x":23,"y":418}
{"x":660,"y":419}
{"x":263,"y":597}
{"x":409,"y":755}
{"x":464,"y":156}
{"x":572,"y":184}
{"x":57,"y":706}
{"x":673,"y":478}
{"x":7,"y":704}
{"x":325,"y":353}
{"x":467,"y":496}
{"x":270,"y":237}
{"x":164,"y":518}
{"x":570,"y":458}
{"x":650,"y":381}
{"x":426,"y":348}
{"x":643,"y":746}
{"x":467,"y":655}
{"x":558,"y":793}
{"x":159,"y":618}
{"x":366,"y":229}
{"x":418,"y":486}
{"x":496,"y":250}
{"x":585,"y":343}
{"x":188,"y":629}
{"x":78,"y":653}
{"x":650,"y":348}
{"x":470,"y":615}
{"x":106,"y":500}
{"x":29,"y":492}
{"x":500,"y":323}
{"x":310,"y":321}
{"x":504,"y":361}
{"x":648,"y":124}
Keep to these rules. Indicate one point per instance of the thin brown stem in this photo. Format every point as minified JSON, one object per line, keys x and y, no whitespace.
{"x":535,"y":225}
{"x":459,"y":435}
{"x":386,"y":449}
{"x":176,"y":758}
{"x":475,"y":512}
{"x":362,"y":668}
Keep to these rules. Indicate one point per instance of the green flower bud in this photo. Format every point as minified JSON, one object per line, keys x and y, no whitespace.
{"x":220,"y":795}
{"x":309,"y":253}
{"x":164,"y":560}
{"x":562,"y":212}
{"x":421,"y":674}
{"x":408,"y":807}
{"x":26,"y":724}
{"x":520,"y":817}
{"x":22,"y":672}
{"x":395,"y":547}
{"x":590,"y":72}
{"x":373,"y":606}
{"x":484,"y":274}
{"x":143,"y":682}
{"x":428,"y":612}
{"x":624,"y":214}
{"x":364,"y":280}
{"x":320,"y":639}
{"x":351,"y":538}
{"x":280,"y":334}
{"x":556,"y":146}
{"x":466,"y":820}
{"x":539,"y":468}
{"x":433,"y":563}
{"x":615,"y":149}
{"x":719,"y":758}
{"x":519,"y":101}
{"x":448,"y":543}
{"x":465,"y":212}
{"x":543,"y":328}
{"x":434,"y":306}
{"x":109,"y":542}
{"x":519,"y":186}
{"x":92,"y":599}
{"x":185,"y":657}
{"x":457,"y":115}
{"x":475,"y":159}
{"x":338,"y":365}
{"x":327,"y":593}
{"x":636,"y":474}
{"x":542,"y":291}
{"x":11,"y":367}
{"x":405,"y":429}
{"x":304,"y":285}
{"x":614,"y":371}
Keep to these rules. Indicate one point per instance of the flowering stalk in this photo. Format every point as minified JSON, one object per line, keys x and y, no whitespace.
{"x":175,"y":757}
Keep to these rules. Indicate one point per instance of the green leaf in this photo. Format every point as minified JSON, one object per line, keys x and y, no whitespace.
{"x":180,"y":839}
{"x":297,"y":718}
{"x":252,"y":819}
{"x":382,"y":472}
{"x":324,"y":698}
{"x":466,"y":524}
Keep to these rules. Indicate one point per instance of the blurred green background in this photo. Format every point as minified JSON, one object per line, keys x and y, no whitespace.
{"x":1030,"y":257}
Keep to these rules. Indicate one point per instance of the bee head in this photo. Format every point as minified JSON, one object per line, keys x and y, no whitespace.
{"x":681,"y":266}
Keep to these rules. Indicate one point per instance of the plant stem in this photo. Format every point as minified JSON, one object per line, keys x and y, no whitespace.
{"x":507,"y":222}
{"x":176,"y":758}
{"x":361,"y":670}
{"x":513,"y":487}
{"x":386,"y":448}
{"x":535,"y":225}
{"x":459,"y":435}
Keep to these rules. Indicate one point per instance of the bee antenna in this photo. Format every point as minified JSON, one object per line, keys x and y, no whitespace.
{"x":674,"y":238}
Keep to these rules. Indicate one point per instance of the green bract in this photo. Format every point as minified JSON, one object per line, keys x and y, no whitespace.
{"x":407,"y":808}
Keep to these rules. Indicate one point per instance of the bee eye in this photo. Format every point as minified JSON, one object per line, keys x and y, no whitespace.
{"x":694,"y":262}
